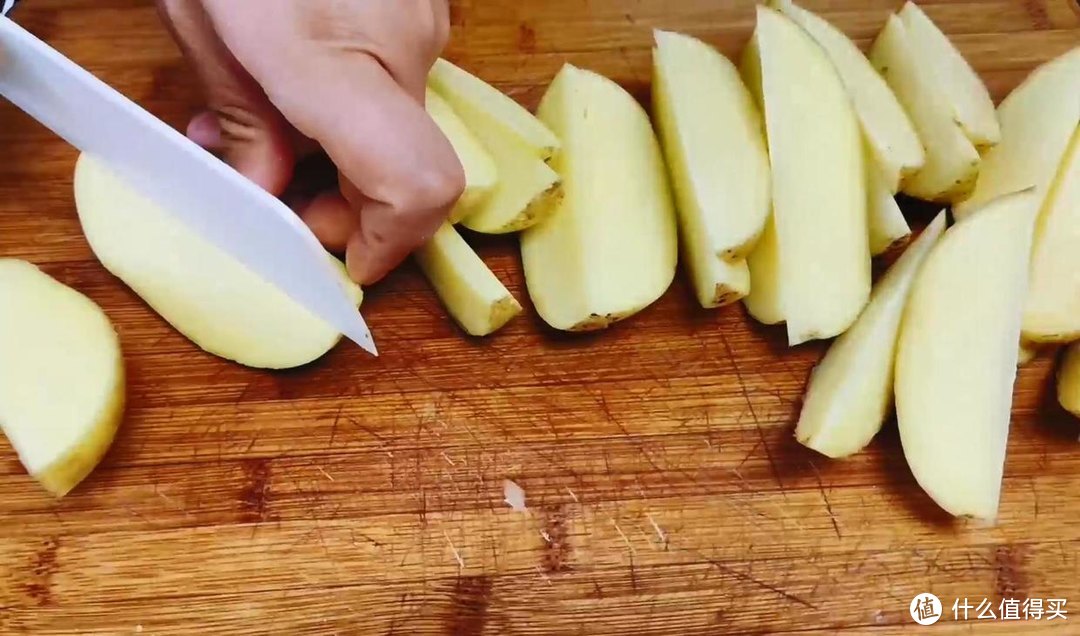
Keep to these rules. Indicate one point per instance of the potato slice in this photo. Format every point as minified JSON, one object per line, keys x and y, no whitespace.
{"x":894,"y":144}
{"x":1037,"y":120}
{"x":1052,"y":312}
{"x":957,"y":356}
{"x":483,"y":102}
{"x":764,"y":302}
{"x":714,"y":144}
{"x":851,"y":391}
{"x":1068,"y":380}
{"x":61,"y":377}
{"x":469,"y":290}
{"x":517,"y":142}
{"x":481,"y":176}
{"x":886,"y":224}
{"x":959,"y":84}
{"x":952,"y":162}
{"x":818,"y":181}
{"x":202,"y":291}
{"x":609,"y":248}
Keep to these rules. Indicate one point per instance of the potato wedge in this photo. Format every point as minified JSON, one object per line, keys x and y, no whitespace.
{"x":958,"y":82}
{"x":1038,"y":119}
{"x":957,"y":356}
{"x":952,"y":162}
{"x":894,"y":144}
{"x":851,"y":391}
{"x":886,"y":224}
{"x":473,"y":295}
{"x":609,"y":248}
{"x":517,"y":142}
{"x":1052,"y":311}
{"x":202,"y":291}
{"x":764,"y":302}
{"x":715,"y":148}
{"x":61,"y":377}
{"x":481,"y":101}
{"x":818,"y":180}
{"x":481,"y":176}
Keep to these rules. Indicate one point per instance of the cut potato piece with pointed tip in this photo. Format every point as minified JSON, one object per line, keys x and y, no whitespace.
{"x":712,"y":137}
{"x":472,"y":96}
{"x":886,"y":223}
{"x":961,"y":86}
{"x":61,"y":377}
{"x":818,"y":182}
{"x":851,"y":391}
{"x":952,"y":162}
{"x":202,"y":291}
{"x":1037,"y":120}
{"x":957,"y":356}
{"x":481,"y":175}
{"x":470,"y":291}
{"x":609,"y":248}
{"x":1052,"y":312}
{"x":517,"y":142}
{"x":763,"y":302}
{"x":526,"y":190}
{"x":895,"y":145}
{"x":1068,"y":380}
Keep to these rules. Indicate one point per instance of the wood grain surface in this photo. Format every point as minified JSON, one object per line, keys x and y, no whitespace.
{"x":666,"y":493}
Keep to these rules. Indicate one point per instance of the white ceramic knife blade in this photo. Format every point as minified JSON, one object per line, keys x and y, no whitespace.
{"x":190,"y":183}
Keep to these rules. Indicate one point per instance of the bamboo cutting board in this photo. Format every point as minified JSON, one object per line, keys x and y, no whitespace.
{"x":665,"y":491}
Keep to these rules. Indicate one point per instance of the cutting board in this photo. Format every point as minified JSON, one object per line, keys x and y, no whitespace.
{"x":665,"y":491}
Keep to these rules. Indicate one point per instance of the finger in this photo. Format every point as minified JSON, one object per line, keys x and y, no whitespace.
{"x":388,"y":150}
{"x":242,"y":125}
{"x":332,"y":220}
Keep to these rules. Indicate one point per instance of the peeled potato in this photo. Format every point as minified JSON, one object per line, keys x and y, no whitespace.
{"x":202,"y":291}
{"x":61,"y":377}
{"x":609,"y":248}
{"x":850,"y":392}
{"x":819,"y":195}
{"x":472,"y":294}
{"x":517,"y":142}
{"x":956,"y":360}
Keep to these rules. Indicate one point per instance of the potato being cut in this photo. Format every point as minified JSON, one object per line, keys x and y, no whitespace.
{"x":952,"y":162}
{"x":469,"y":290}
{"x":1037,"y":120}
{"x":818,"y":181}
{"x":480,"y":172}
{"x":609,"y":248}
{"x":470,"y":94}
{"x":61,"y":377}
{"x":957,"y":356}
{"x":959,"y":84}
{"x":527,"y":188}
{"x":713,"y":141}
{"x":886,"y":224}
{"x":894,"y":144}
{"x":851,"y":391}
{"x":202,"y":291}
{"x":1068,"y":380}
{"x":1052,"y":312}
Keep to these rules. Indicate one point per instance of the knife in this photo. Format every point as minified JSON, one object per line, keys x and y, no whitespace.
{"x":191,"y":184}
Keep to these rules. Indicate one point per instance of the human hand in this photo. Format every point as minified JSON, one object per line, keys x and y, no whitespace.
{"x":285,"y":77}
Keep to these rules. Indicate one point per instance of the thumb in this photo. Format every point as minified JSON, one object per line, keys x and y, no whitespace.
{"x":241,"y":125}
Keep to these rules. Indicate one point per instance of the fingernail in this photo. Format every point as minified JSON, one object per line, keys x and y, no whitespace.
{"x":205,"y":130}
